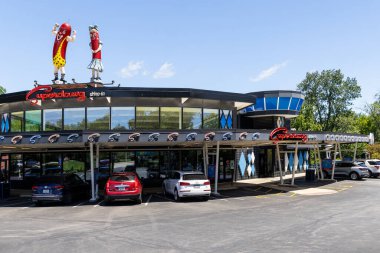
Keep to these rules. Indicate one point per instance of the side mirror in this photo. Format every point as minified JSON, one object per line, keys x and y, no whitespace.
{"x":163,"y":176}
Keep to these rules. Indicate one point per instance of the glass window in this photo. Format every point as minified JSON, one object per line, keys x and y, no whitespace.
{"x":123,"y":161}
{"x":299,"y":105}
{"x":98,"y":118}
{"x":271,"y":103}
{"x":169,"y":161}
{"x":284,"y":103}
{"x":32,"y":165}
{"x":17,"y":121}
{"x":147,"y":117}
{"x":259,"y":106}
{"x":210,"y":118}
{"x":192,"y":118}
{"x":33,"y":121}
{"x":226,"y":119}
{"x":53,"y":120}
{"x":122,"y":118}
{"x":294,"y":103}
{"x":52,"y":164}
{"x":74,"y":163}
{"x":171,"y":118}
{"x":15,"y":168}
{"x":147,"y":164}
{"x":74,"y":118}
{"x":5,"y":123}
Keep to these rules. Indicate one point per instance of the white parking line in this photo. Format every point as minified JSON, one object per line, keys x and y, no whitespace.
{"x":238,"y":198}
{"x":99,"y":203}
{"x":25,"y":207}
{"x":147,"y":202}
{"x":79,"y":204}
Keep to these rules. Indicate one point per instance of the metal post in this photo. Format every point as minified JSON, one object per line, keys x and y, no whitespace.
{"x":340,"y":152}
{"x":295,"y":161}
{"x":320,"y":162}
{"x":97,"y":169}
{"x":204,"y":159}
{"x":317,"y":168}
{"x":279,"y":163}
{"x":216,"y":168}
{"x":356,"y":148}
{"x":93,"y":198}
{"x":333,"y":165}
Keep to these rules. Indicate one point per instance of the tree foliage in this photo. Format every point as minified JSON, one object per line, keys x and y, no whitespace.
{"x":328,"y":100}
{"x":2,"y":90}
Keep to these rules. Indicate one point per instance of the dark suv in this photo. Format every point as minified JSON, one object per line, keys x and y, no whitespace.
{"x":347,"y":169}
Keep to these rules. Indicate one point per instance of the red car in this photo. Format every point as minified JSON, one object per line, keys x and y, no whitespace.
{"x":124,"y":185}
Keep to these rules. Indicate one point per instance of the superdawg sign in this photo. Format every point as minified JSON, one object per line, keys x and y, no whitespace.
{"x":281,"y":134}
{"x":46,"y":92}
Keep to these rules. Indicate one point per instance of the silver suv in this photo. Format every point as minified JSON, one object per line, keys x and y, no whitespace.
{"x":373,"y":166}
{"x":347,"y":169}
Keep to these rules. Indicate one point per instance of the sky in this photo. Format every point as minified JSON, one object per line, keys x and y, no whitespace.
{"x":237,"y":46}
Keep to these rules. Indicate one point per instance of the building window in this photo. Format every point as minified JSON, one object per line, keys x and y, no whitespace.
{"x":5,"y":123}
{"x":122,"y":118}
{"x":123,"y":161}
{"x":17,"y":121}
{"x":74,"y":118}
{"x":259,"y":106}
{"x":147,"y":117}
{"x":74,"y":163}
{"x":192,"y":118}
{"x":294,"y":104}
{"x":52,"y":164}
{"x":33,"y":121}
{"x":53,"y":120}
{"x":226,"y":119}
{"x":210,"y":118}
{"x":284,"y":103}
{"x":170,"y":118}
{"x":16,"y":167}
{"x":98,"y":118}
{"x":271,"y":103}
{"x":32,"y":166}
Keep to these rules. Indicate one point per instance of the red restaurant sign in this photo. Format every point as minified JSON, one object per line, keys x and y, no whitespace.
{"x":281,"y":134}
{"x":43,"y":92}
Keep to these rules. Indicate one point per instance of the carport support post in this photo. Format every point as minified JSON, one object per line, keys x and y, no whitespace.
{"x":295,"y":163}
{"x":318,"y":170}
{"x":320,"y":162}
{"x":205,"y":159}
{"x":93,"y":198}
{"x":97,"y":168}
{"x":340,"y":152}
{"x":279,"y":163}
{"x":333,"y":164}
{"x":216,"y":168}
{"x":356,"y":148}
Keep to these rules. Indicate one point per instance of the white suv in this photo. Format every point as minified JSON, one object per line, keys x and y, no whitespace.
{"x":182,"y":184}
{"x":373,"y":167}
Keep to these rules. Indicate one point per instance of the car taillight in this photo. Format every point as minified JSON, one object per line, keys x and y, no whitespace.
{"x":58,"y":187}
{"x":107,"y":185}
{"x":34,"y":188}
{"x":207,"y":183}
{"x":184,"y":184}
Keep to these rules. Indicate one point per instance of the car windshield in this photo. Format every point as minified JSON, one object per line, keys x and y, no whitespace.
{"x":50,"y":180}
{"x":362,"y":164}
{"x":120,"y":178}
{"x":194,"y":177}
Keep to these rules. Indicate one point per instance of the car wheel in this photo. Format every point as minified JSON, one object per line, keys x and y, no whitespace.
{"x":139,"y":199}
{"x":205,"y":198}
{"x":354,"y":176}
{"x":176,"y":197}
{"x":38,"y":203}
{"x":164,"y":190}
{"x":67,"y":198}
{"x":370,"y":173}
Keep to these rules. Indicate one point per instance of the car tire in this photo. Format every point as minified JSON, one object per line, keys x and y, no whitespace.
{"x":370,"y":174}
{"x":139,"y":199}
{"x":164,"y":190}
{"x":176,"y":196}
{"x":205,"y":198}
{"x":38,"y":203}
{"x":67,"y":198}
{"x":354,"y":176}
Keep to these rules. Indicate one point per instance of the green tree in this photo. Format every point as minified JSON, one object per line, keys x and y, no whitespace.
{"x":328,"y":100}
{"x":2,"y":90}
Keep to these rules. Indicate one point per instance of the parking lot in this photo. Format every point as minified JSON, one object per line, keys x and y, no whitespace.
{"x":253,"y":218}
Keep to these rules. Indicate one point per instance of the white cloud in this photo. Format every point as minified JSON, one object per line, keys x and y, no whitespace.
{"x":266,"y":73}
{"x":166,"y":70}
{"x":134,"y":68}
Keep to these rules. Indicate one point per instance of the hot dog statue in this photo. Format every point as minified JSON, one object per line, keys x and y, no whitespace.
{"x":62,"y":37}
{"x":96,"y":48}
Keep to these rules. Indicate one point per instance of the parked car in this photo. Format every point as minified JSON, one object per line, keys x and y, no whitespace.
{"x":347,"y":169}
{"x":182,"y":184}
{"x":373,"y":166}
{"x":63,"y":188}
{"x":123,"y":185}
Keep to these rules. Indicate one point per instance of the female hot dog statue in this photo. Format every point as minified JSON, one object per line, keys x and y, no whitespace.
{"x":62,"y":37}
{"x":96,"y":46}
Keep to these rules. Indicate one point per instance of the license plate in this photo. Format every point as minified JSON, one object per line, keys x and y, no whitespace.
{"x":121,"y":188}
{"x":197,"y":185}
{"x":46,"y":191}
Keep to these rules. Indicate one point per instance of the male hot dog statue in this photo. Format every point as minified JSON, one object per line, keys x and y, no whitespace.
{"x":62,"y":37}
{"x":96,"y":48}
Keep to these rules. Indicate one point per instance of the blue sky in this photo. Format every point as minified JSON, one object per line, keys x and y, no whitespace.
{"x":237,"y":46}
